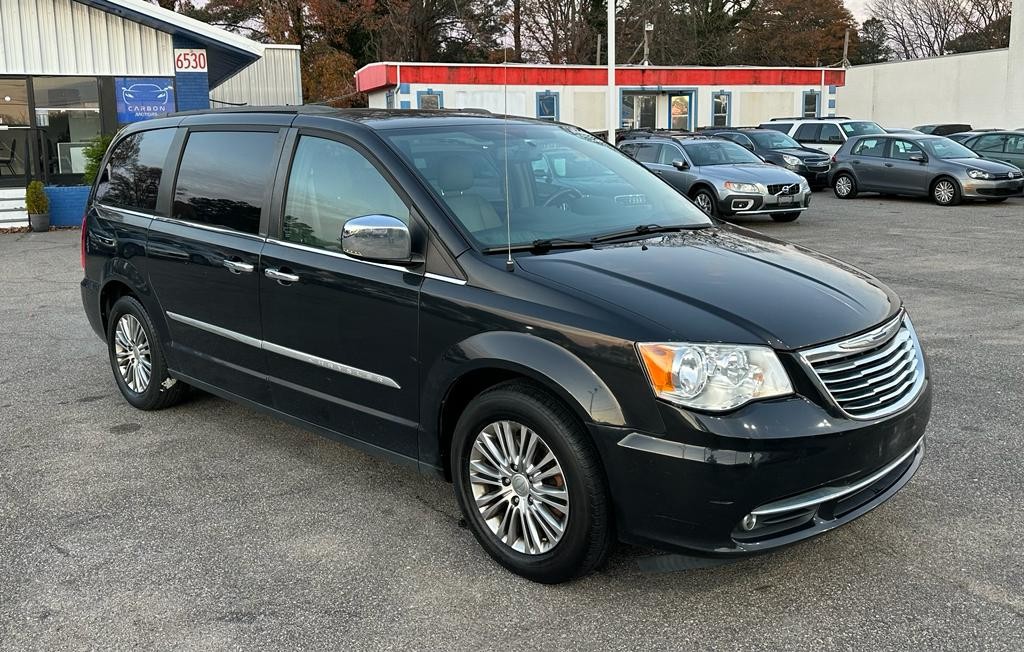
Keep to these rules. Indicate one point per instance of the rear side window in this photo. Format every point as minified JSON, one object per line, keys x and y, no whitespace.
{"x":990,"y":143}
{"x":648,"y":153}
{"x":223,"y":177}
{"x":132,"y":176}
{"x":869,"y":147}
{"x":329,"y":184}
{"x":807,"y":133}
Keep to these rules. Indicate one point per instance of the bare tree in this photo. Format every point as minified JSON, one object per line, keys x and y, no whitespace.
{"x":559,"y":31}
{"x":925,"y":28}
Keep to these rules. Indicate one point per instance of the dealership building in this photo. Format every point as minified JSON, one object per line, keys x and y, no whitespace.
{"x":71,"y":70}
{"x":677,"y":97}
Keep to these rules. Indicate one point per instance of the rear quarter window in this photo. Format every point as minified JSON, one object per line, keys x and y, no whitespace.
{"x":132,"y":175}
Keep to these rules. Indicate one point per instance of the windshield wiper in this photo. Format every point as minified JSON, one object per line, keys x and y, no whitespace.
{"x":541,"y":245}
{"x":644,"y":229}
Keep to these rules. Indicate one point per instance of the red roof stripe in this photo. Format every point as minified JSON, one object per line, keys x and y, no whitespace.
{"x":381,"y":75}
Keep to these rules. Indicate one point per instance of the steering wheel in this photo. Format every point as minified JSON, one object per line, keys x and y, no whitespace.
{"x":562,"y":196}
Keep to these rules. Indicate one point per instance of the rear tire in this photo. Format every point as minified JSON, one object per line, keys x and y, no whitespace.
{"x":844,"y":186}
{"x":946,"y":192}
{"x":785,"y":217}
{"x":137,"y":358}
{"x":515,"y":512}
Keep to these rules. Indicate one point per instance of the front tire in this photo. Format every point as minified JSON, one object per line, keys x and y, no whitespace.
{"x":946,"y":192}
{"x":844,"y":186}
{"x":137,"y":358}
{"x":785,"y":217}
{"x":530,"y":484}
{"x":706,"y":201}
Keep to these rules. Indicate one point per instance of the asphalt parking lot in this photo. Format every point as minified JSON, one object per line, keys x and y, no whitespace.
{"x":211,"y":526}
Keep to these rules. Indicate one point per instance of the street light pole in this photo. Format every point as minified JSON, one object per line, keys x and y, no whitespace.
{"x":613,"y":99}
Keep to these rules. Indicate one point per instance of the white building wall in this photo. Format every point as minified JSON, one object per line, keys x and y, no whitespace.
{"x":585,"y":106}
{"x":969,"y":88}
{"x":275,"y":79}
{"x":63,"y":37}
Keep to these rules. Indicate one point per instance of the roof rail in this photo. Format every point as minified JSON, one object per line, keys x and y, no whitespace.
{"x":830,"y":117}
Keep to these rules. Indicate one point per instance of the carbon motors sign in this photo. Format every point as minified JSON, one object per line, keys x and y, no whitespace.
{"x":189,"y":60}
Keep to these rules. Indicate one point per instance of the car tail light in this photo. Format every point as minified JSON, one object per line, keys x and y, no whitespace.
{"x":85,"y":219}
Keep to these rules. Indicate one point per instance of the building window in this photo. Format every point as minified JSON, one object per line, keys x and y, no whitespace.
{"x":639,"y":111}
{"x":547,"y":105}
{"x":429,"y":99}
{"x":680,"y":110}
{"x":68,"y":115}
{"x":720,"y":109}
{"x":812,"y":104}
{"x":389,"y":100}
{"x":14,"y":132}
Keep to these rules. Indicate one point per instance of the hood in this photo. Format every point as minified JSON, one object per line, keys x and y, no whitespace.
{"x":750,"y":172}
{"x":986,"y":164}
{"x":724,"y":284}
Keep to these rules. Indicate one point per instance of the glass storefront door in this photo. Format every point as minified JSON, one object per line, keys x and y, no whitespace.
{"x":15,"y":133}
{"x":679,"y":110}
{"x":639,"y":111}
{"x":68,"y":116}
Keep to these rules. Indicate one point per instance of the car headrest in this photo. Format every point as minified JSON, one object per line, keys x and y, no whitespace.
{"x":456,"y":174}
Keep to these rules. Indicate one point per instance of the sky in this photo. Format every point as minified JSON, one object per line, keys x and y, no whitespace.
{"x":858,"y":9}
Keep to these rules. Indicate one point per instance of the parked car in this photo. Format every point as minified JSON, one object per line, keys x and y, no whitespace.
{"x":722,"y":178}
{"x":1006,"y":146}
{"x":900,"y":130}
{"x":943,"y":129}
{"x":825,"y":134}
{"x":779,"y":149}
{"x":963,"y":136}
{"x":582,"y":367}
{"x":923,"y":165}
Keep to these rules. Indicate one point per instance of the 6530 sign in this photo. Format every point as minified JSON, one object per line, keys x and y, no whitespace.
{"x":189,"y":60}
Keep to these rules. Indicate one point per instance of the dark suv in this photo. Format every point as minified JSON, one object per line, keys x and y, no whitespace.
{"x":585,"y":362}
{"x":780,"y":149}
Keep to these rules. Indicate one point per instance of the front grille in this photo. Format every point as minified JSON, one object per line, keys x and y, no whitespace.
{"x":874,"y":374}
{"x":783,"y":188}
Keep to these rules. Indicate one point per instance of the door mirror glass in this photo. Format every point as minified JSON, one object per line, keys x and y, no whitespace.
{"x":680,"y":164}
{"x":377,"y":237}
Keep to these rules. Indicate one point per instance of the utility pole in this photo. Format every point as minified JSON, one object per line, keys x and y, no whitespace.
{"x":612,"y":119}
{"x":599,"y":49}
{"x":846,"y":49}
{"x":648,"y":30}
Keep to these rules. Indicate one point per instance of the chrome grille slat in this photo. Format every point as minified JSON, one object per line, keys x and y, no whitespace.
{"x":873,"y":374}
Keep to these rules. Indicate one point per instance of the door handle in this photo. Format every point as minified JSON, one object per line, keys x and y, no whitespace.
{"x":237,"y":267}
{"x":888,"y":165}
{"x":278,"y":275}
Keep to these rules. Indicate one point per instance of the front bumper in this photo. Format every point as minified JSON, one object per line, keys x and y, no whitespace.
{"x":986,"y":189}
{"x":760,"y":203}
{"x":799,"y":468}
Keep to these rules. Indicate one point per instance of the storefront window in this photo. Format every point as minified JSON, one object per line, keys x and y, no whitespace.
{"x":14,"y":132}
{"x":68,"y":117}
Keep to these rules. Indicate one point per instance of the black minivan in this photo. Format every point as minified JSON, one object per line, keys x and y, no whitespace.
{"x":516,"y":306}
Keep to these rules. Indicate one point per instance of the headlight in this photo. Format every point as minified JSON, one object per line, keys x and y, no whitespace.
{"x":739,"y":186}
{"x":791,"y":160}
{"x":978,"y":174}
{"x":714,"y":377}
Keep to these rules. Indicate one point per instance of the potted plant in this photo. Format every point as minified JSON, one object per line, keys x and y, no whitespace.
{"x":38,"y":207}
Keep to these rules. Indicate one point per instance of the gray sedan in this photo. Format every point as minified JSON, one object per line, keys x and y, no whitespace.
{"x":921,"y":165}
{"x":722,"y":178}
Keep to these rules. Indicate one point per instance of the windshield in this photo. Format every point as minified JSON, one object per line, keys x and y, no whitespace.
{"x":719,"y":152}
{"x":946,"y":148}
{"x":562,"y":183}
{"x":773,"y":140}
{"x":861,"y":128}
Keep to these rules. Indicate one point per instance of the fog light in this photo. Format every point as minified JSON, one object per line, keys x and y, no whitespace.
{"x":749,"y":522}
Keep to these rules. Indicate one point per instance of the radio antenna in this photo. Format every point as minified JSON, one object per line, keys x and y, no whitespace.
{"x":510,"y":265}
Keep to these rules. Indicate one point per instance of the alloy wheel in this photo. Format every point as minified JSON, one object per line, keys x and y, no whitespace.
{"x":131,"y":350}
{"x":703,"y":202}
{"x":519,"y":487}
{"x":843,"y":186}
{"x":944,"y":191}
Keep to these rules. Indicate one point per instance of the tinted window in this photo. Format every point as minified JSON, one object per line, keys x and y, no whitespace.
{"x":330,"y":183}
{"x":784,"y":127}
{"x":648,"y":153}
{"x":904,"y":149}
{"x":870,"y":147}
{"x":1015,"y":144}
{"x":720,"y":152}
{"x":132,"y":176}
{"x":773,"y":141}
{"x":670,"y":153}
{"x":989,"y":143}
{"x":807,"y":133}
{"x":830,"y":134}
{"x":223,"y":177}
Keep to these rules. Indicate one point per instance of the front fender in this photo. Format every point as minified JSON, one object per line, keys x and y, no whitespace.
{"x":527,"y":355}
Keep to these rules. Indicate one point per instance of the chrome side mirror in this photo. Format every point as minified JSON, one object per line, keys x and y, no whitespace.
{"x":919,"y":158}
{"x":377,"y":237}
{"x":680,"y":164}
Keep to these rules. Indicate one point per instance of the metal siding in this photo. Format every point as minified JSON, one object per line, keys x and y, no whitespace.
{"x":64,"y":37}
{"x":273,"y":79}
